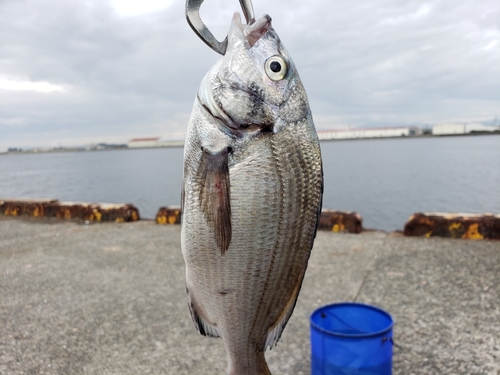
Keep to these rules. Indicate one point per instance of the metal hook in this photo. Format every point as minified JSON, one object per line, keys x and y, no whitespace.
{"x":247,"y":7}
{"x":194,"y":20}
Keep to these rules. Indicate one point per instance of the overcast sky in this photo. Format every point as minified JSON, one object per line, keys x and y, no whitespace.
{"x":74,"y":72}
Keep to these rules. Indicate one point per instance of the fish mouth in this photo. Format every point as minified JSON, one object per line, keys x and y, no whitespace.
{"x":251,"y":33}
{"x":227,"y":124}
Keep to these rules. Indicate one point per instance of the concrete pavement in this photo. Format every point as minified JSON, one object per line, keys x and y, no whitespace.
{"x":109,"y":299}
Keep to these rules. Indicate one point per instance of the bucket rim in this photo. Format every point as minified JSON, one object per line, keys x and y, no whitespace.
{"x":350,"y":335}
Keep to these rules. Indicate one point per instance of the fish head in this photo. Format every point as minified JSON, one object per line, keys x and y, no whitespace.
{"x":256,"y":87}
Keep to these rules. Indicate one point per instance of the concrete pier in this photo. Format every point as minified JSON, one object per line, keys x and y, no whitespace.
{"x":109,"y":299}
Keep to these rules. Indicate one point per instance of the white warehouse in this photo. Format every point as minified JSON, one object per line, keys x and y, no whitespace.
{"x":400,"y":131}
{"x":144,"y":142}
{"x":456,"y":128}
{"x":155,"y":142}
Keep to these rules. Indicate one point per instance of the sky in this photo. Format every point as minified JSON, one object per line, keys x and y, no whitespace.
{"x":75,"y":72}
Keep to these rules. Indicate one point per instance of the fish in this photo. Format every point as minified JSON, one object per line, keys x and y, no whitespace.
{"x":251,"y":195}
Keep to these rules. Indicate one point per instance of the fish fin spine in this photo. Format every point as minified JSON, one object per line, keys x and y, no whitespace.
{"x":206,"y":329}
{"x":203,"y":327}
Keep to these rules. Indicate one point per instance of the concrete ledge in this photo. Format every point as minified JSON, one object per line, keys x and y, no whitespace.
{"x":70,"y":210}
{"x":431,"y":224}
{"x":454,"y":225}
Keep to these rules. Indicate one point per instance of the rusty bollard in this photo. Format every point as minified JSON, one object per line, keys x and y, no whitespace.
{"x":25,"y":207}
{"x":169,"y":215}
{"x":468,"y":226}
{"x":95,"y":212}
{"x":340,"y":221}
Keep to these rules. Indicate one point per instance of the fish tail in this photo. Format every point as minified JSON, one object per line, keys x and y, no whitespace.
{"x":255,"y":365}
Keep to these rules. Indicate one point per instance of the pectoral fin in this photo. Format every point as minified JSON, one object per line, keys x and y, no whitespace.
{"x":213,"y":176}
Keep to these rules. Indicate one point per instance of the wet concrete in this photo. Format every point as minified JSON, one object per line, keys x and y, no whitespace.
{"x":109,"y":299}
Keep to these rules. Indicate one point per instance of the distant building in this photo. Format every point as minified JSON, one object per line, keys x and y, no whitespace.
{"x":170,"y":142}
{"x":448,"y":129}
{"x":110,"y":146}
{"x":480,"y":128}
{"x":144,"y":142}
{"x":388,"y":132}
{"x":456,"y":128}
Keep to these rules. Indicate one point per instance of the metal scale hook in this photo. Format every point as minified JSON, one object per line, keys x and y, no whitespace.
{"x":194,"y":20}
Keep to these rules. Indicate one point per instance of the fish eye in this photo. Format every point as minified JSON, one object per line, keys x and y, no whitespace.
{"x":276,"y":68}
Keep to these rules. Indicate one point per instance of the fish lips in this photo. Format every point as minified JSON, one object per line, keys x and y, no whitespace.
{"x":249,"y":33}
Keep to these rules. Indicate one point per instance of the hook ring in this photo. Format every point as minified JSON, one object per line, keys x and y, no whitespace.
{"x":199,"y":27}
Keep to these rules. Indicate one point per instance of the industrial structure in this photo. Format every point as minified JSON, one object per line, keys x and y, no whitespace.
{"x":143,"y":142}
{"x":387,"y":132}
{"x":354,"y":133}
{"x":458,"y":128}
{"x":154,"y":142}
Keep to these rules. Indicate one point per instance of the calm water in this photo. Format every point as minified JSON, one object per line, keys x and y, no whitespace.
{"x":384,"y":180}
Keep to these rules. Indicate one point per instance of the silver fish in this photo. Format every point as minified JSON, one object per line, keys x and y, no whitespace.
{"x":252,"y":192}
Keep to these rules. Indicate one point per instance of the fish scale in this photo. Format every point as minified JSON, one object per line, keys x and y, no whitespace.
{"x":251,"y":197}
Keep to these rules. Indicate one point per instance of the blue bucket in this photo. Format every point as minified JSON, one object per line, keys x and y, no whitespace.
{"x":351,"y":339}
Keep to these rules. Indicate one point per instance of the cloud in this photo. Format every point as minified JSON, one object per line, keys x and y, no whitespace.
{"x":128,"y":72}
{"x":129,"y":8}
{"x":7,"y":84}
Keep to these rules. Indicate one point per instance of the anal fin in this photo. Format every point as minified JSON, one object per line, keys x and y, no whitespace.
{"x":199,"y":320}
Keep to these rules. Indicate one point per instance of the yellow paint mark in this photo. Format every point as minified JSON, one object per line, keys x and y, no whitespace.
{"x":473,"y":232}
{"x":455,"y":229}
{"x":428,"y":234}
{"x":11,"y":211}
{"x":338,"y":228}
{"x":161,"y":219}
{"x":67,"y":214}
{"x":119,"y":220}
{"x":173,"y":218}
{"x":133,"y":216}
{"x":97,"y":215}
